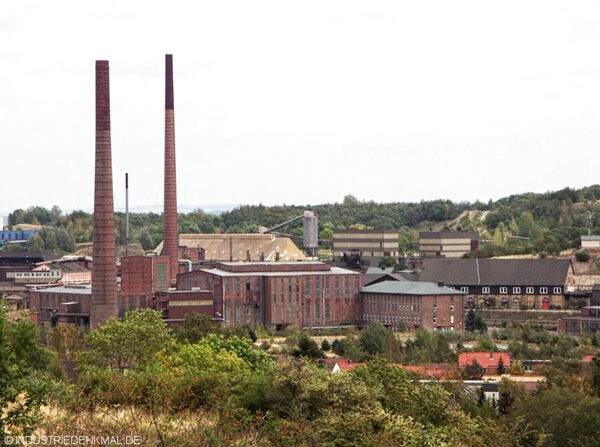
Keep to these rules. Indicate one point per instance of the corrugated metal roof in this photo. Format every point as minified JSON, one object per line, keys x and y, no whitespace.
{"x":410,"y":288}
{"x":496,"y":272}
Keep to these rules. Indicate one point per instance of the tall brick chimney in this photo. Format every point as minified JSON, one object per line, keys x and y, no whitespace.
{"x":171,"y":236}
{"x":104,"y":269}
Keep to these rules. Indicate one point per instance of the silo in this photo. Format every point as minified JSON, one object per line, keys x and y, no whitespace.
{"x":311,"y":234}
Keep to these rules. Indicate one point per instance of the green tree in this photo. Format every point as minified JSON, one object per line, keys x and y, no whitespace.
{"x":128,"y":344}
{"x":562,"y":417}
{"x":308,"y":348}
{"x":372,"y":338}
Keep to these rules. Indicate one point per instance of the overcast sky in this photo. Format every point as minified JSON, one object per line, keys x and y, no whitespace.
{"x":302,"y":102}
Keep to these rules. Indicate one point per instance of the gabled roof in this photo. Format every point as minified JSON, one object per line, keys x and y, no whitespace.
{"x":497,"y":272}
{"x":485,"y":359}
{"x":410,"y":288}
{"x":369,"y":278}
{"x":379,"y":270}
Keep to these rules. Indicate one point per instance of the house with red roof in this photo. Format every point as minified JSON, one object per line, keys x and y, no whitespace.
{"x":488,"y":360}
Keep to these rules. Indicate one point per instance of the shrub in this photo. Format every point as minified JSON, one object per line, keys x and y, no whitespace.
{"x":582,"y":256}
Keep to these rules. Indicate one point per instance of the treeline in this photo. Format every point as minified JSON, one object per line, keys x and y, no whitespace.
{"x":525,"y":223}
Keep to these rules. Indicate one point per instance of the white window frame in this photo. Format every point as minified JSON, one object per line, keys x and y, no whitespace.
{"x":516,"y":290}
{"x":530,"y":290}
{"x":451,"y":307}
{"x":464,"y":289}
{"x":434,"y":319}
{"x":557,"y":290}
{"x":485,"y":290}
{"x":543,"y":290}
{"x":504,"y":290}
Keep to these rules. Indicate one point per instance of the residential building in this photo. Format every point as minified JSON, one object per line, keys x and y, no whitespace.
{"x":363,"y":248}
{"x":408,"y":304}
{"x":280,"y":294}
{"x":530,"y":382}
{"x":489,"y":361}
{"x":449,"y":244}
{"x":504,"y":283}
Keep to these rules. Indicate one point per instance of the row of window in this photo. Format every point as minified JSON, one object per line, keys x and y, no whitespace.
{"x":389,"y":319}
{"x":451,"y":319}
{"x":517,"y":290}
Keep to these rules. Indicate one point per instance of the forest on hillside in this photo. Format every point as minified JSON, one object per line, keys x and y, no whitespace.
{"x":525,"y":223}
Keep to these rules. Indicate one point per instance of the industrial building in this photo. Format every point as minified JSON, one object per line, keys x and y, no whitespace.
{"x":409,"y":304}
{"x":447,"y":244}
{"x":364,"y":248}
{"x":211,"y":248}
{"x":504,"y":283}
{"x":304,"y":294}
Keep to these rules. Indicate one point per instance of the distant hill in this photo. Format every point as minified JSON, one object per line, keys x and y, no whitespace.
{"x":544,"y":223}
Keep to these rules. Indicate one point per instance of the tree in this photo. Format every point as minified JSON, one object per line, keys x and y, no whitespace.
{"x":21,"y":394}
{"x":561,"y":417}
{"x":372,"y":338}
{"x":128,"y":344}
{"x":474,"y":370}
{"x":325,"y":346}
{"x":308,"y":348}
{"x":474,"y":322}
{"x":195,"y":327}
{"x":500,"y":369}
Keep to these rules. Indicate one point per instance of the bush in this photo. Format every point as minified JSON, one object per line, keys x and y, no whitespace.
{"x":582,"y":256}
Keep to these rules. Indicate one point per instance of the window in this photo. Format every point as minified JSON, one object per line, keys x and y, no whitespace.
{"x":529,"y":290}
{"x":131,"y":302}
{"x":485,"y":290}
{"x":227,"y":285}
{"x":503,"y":289}
{"x":122,"y":306}
{"x":435,"y":308}
{"x":464,"y":289}
{"x":504,"y":302}
{"x":238,"y":285}
{"x":516,"y":290}
{"x":452,"y":308}
{"x":558,"y":290}
{"x":543,"y":290}
{"x":434,"y":320}
{"x":142,"y":301}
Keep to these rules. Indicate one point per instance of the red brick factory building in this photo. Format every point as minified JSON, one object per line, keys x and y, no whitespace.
{"x":413,"y":304}
{"x":304,"y":294}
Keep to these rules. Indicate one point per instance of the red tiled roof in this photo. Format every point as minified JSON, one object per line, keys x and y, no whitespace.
{"x":436,"y":370}
{"x":485,"y":359}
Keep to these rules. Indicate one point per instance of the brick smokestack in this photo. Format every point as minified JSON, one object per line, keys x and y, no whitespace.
{"x":170,"y":237}
{"x":104,"y":270}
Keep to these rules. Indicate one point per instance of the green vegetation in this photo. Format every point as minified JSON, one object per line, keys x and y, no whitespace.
{"x":543,"y":223}
{"x":203,"y":385}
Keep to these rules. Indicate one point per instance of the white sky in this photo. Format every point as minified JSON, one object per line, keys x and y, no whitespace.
{"x":302,"y":102}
